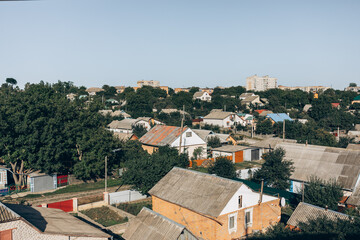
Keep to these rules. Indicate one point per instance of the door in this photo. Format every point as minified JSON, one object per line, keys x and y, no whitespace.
{"x":255,"y":154}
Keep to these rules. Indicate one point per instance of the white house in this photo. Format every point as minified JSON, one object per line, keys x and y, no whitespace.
{"x":162,"y":135}
{"x":203,"y":96}
{"x":126,"y":125}
{"x":222,"y":119}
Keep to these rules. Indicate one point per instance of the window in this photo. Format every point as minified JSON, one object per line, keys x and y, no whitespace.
{"x":188,"y":134}
{"x":240,"y":201}
{"x":248,"y":217}
{"x":232,"y":222}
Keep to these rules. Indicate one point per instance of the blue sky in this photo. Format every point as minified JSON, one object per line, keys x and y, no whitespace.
{"x":180,"y":43}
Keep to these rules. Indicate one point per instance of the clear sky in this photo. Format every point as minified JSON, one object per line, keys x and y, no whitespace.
{"x":180,"y":43}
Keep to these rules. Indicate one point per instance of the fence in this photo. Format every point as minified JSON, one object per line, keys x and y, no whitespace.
{"x":125,"y":196}
{"x":62,"y":180}
{"x":66,"y":206}
{"x":199,"y":162}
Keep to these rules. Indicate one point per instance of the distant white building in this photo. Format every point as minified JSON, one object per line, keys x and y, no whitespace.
{"x":150,"y":83}
{"x":203,"y":96}
{"x":257,"y":83}
{"x":222,"y":119}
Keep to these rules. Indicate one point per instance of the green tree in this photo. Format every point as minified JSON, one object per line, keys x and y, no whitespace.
{"x":352,"y":85}
{"x":275,"y":171}
{"x":145,"y":170}
{"x":264,"y":127}
{"x":223,"y":168}
{"x":197,"y":153}
{"x":322,"y":193}
{"x":139,"y":130}
{"x":214,"y":142}
{"x":11,"y":81}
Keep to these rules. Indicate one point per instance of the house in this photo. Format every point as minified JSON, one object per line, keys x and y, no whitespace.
{"x":247,"y":119}
{"x":278,"y":117}
{"x":196,"y":122}
{"x":172,"y":110}
{"x":162,"y":135}
{"x":150,"y":120}
{"x":165,"y":88}
{"x":112,"y":101}
{"x":71,"y":96}
{"x":356,"y":100}
{"x":251,"y":100}
{"x":238,"y":153}
{"x":116,"y":113}
{"x":177,"y":90}
{"x":120,"y":89}
{"x":307,"y":107}
{"x":212,"y":207}
{"x":39,"y":182}
{"x":304,"y":212}
{"x":222,"y":119}
{"x":269,"y":144}
{"x":3,"y":179}
{"x":203,"y":96}
{"x":150,"y":225}
{"x":19,"y":222}
{"x":335,"y":105}
{"x":126,"y":125}
{"x":355,"y":135}
{"x":94,"y":90}
{"x":324,"y":162}
{"x":207,"y":134}
{"x":125,"y":136}
{"x":208,"y":90}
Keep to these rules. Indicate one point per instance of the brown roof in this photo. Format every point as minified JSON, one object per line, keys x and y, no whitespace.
{"x":150,"y":225}
{"x":218,"y":115}
{"x":161,"y":135}
{"x":94,"y":89}
{"x":200,"y":192}
{"x":305,"y":212}
{"x":55,"y":221}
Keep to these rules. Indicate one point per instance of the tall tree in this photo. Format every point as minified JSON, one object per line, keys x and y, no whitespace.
{"x":275,"y":171}
{"x":223,"y":168}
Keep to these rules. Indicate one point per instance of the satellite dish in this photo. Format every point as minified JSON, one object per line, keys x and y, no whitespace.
{"x":282,"y":202}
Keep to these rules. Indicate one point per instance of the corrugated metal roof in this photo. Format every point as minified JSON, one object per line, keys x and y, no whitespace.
{"x":123,"y":136}
{"x":56,"y":221}
{"x":202,"y":193}
{"x":354,"y":199}
{"x":249,"y":99}
{"x":324,"y":162}
{"x":352,"y":146}
{"x":152,"y":226}
{"x":204,"y":134}
{"x":123,"y":124}
{"x":231,"y":148}
{"x":271,"y":142}
{"x":278,"y":117}
{"x":218,"y":115}
{"x":223,"y":137}
{"x":305,"y":212}
{"x":161,"y":135}
{"x":6,"y":214}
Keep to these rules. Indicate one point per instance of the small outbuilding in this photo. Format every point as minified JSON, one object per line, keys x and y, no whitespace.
{"x":238,"y":153}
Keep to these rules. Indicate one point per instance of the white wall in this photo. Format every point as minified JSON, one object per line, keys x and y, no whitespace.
{"x":216,"y":154}
{"x":249,"y":199}
{"x":190,"y":143}
{"x":125,"y":196}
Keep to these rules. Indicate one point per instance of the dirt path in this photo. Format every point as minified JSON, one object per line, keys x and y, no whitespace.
{"x":67,"y":196}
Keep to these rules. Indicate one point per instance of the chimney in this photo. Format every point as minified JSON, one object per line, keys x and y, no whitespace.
{"x":261,"y":191}
{"x":326,"y":208}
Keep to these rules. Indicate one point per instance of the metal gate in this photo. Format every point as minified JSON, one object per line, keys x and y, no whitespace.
{"x":255,"y":154}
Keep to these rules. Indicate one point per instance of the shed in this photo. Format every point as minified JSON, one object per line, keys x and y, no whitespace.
{"x":238,"y":153}
{"x":38,"y":182}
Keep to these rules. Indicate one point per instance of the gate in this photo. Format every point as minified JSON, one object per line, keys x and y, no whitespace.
{"x":66,"y":206}
{"x":62,"y":180}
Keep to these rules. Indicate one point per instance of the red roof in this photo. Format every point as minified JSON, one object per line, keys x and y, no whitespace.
{"x":161,"y":135}
{"x":260,"y":110}
{"x":335,"y":104}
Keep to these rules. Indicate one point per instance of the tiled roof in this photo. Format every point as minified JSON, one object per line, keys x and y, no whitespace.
{"x":6,"y":214}
{"x":202,"y":193}
{"x":305,"y":212}
{"x":161,"y":135}
{"x":218,"y":115}
{"x":150,"y":225}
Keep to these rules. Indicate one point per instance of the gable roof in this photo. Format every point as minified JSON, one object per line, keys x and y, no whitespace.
{"x":231,"y":148}
{"x":218,"y":115}
{"x":200,"y":192}
{"x":198,"y":94}
{"x":250,"y":99}
{"x":123,"y":124}
{"x":305,"y":212}
{"x":307,"y":107}
{"x":279,"y":117}
{"x":172,"y":110}
{"x":94,"y":89}
{"x":324,"y":162}
{"x":53,"y":221}
{"x":152,"y":226}
{"x":6,"y":214}
{"x":204,"y":134}
{"x":161,"y":135}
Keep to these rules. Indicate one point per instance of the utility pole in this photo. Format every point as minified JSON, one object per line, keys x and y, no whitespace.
{"x":284,"y":130}
{"x":338,"y":135}
{"x":181,"y":128}
{"x":106,"y":173}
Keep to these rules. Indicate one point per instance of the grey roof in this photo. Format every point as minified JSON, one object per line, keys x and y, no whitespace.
{"x":6,"y":214}
{"x":55,"y":221}
{"x":271,"y":142}
{"x":202,"y":193}
{"x":352,"y":146}
{"x":172,"y":110}
{"x":324,"y":162}
{"x":354,"y":199}
{"x":152,"y":226}
{"x":305,"y":212}
{"x":245,"y":95}
{"x":218,"y":115}
{"x":223,"y":137}
{"x":357,"y":127}
{"x":116,"y":113}
{"x":307,"y":107}
{"x":250,"y":99}
{"x":123,"y":124}
{"x":204,"y":134}
{"x":231,"y":148}
{"x":198,"y":94}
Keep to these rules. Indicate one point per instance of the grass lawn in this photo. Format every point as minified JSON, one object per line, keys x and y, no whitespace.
{"x":82,"y":187}
{"x":134,"y":208}
{"x":105,"y":216}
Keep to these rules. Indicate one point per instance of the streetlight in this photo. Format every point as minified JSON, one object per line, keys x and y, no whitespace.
{"x":106,"y":158}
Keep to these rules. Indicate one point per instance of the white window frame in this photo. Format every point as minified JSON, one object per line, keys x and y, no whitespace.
{"x":234,"y":229}
{"x":249,"y":224}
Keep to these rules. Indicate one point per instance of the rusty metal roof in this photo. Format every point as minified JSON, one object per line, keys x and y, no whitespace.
{"x":218,"y":115}
{"x":161,"y":135}
{"x":55,"y":221}
{"x":305,"y":212}
{"x":6,"y":214}
{"x":200,"y":192}
{"x":152,"y":226}
{"x":324,"y":162}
